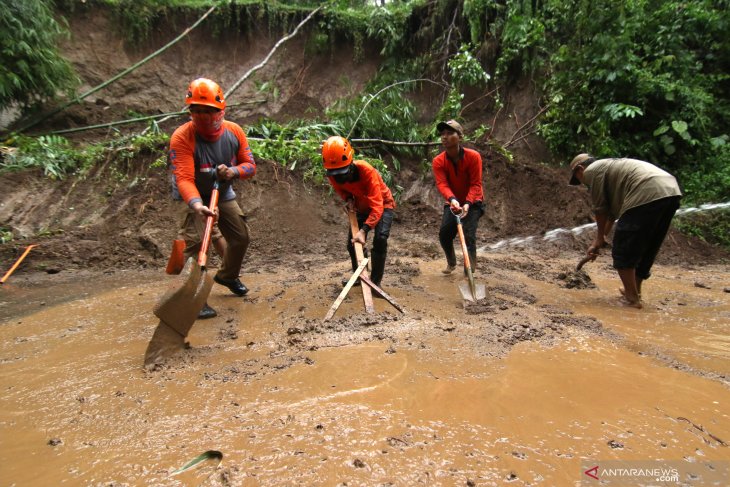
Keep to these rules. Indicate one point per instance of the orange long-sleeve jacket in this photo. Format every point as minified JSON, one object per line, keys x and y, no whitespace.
{"x":194,"y":161}
{"x":369,"y":191}
{"x":460,"y":179}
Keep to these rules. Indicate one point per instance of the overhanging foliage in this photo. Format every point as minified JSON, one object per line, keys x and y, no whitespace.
{"x":31,"y":69}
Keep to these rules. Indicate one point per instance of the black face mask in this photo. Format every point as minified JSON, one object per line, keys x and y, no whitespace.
{"x":344,"y":178}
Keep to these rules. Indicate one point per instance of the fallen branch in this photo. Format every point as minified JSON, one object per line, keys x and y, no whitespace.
{"x":120,"y":75}
{"x":529,"y":122}
{"x":262,"y":63}
{"x":271,"y":53}
{"x":381,"y":91}
{"x":476,"y":100}
{"x":521,"y":137}
{"x":494,"y":122}
{"x":395,"y":143}
{"x":452,"y":26}
{"x":354,"y":141}
{"x":133,"y":120}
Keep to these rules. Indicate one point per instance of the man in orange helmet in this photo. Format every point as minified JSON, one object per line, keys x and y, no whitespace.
{"x":207,"y":148}
{"x":458,"y":175}
{"x":362,"y":187}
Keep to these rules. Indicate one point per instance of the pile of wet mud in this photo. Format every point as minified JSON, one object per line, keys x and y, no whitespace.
{"x":573,"y":279}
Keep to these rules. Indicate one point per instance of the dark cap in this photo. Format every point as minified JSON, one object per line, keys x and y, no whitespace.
{"x":578,"y":160}
{"x":451,"y":125}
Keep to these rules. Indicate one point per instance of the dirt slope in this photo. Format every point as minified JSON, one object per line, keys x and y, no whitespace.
{"x":519,"y":388}
{"x":121,"y":215}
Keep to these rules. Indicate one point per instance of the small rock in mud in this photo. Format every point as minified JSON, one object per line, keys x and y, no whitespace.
{"x":228,"y":334}
{"x":615,"y":444}
{"x":358,"y":463}
{"x":575,"y":279}
{"x":702,"y":285}
{"x":480,"y":306}
{"x":727,"y":290}
{"x":55,"y":441}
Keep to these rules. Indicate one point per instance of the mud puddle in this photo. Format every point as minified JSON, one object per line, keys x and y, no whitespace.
{"x":522,"y":390}
{"x":685,"y":320}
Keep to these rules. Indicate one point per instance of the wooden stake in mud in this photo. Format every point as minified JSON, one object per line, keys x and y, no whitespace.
{"x":367,"y":285}
{"x":346,"y":289}
{"x":367,"y":296}
{"x":381,"y":293}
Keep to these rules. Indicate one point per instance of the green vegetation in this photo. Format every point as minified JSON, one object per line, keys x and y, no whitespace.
{"x":6,"y":235}
{"x":713,"y":227}
{"x":57,"y":158}
{"x":647,"y":79}
{"x":51,"y":153}
{"x":643,"y":78}
{"x":31,"y":69}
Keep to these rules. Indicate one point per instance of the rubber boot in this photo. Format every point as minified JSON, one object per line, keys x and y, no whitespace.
{"x":378,"y":261}
{"x":207,"y":312}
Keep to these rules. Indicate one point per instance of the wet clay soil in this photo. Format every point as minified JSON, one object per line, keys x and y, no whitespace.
{"x":524,"y":387}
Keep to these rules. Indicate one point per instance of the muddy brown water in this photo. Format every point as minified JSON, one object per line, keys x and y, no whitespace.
{"x":524,"y":390}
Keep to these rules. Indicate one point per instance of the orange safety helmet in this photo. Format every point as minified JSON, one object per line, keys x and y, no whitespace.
{"x":203,"y":91}
{"x":337,"y":155}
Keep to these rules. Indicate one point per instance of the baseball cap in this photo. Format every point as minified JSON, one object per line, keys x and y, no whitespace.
{"x":450,"y":124}
{"x":577,"y":161}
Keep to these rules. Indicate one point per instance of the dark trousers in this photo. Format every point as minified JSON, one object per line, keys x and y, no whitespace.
{"x":379,"y":251}
{"x":448,"y":232}
{"x":640,"y":233}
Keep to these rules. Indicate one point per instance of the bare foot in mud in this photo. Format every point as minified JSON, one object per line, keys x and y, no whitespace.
{"x":623,"y":292}
{"x":624,"y":301}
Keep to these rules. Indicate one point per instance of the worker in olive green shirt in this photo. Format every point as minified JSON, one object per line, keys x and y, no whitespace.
{"x":644,"y":199}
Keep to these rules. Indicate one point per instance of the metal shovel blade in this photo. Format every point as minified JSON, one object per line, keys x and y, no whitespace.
{"x":165,"y":343}
{"x":472,"y":291}
{"x":180,"y":305}
{"x":480,"y":292}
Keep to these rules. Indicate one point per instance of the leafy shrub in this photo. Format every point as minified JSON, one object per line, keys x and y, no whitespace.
{"x":51,"y":153}
{"x":6,"y":235}
{"x":641,"y":79}
{"x":713,"y":226}
{"x":58,"y":158}
{"x":31,"y":69}
{"x":465,"y":68}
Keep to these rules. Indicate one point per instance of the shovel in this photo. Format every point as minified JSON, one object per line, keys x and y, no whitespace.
{"x":590,"y":257}
{"x":585,"y":260}
{"x":470,"y":291}
{"x":178,"y":308}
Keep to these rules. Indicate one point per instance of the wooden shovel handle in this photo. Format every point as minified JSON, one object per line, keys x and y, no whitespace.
{"x":367,"y":295}
{"x":464,"y":250}
{"x":203,"y":255}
